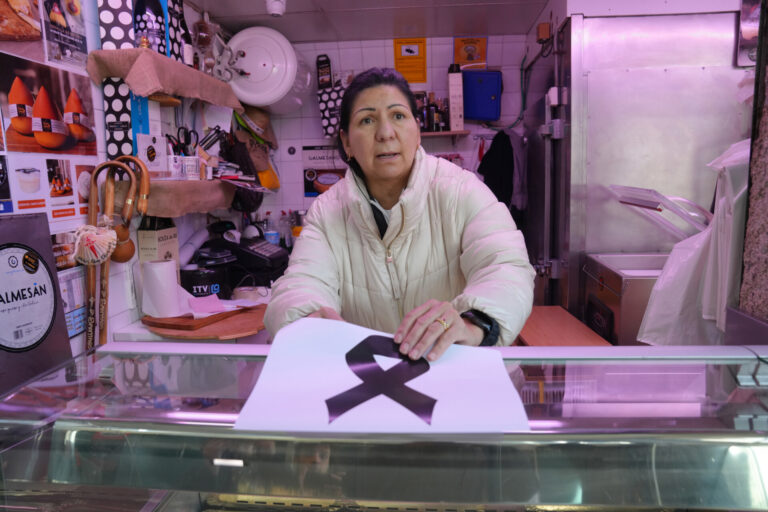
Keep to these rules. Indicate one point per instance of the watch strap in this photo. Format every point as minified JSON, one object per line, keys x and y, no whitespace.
{"x":489,"y":326}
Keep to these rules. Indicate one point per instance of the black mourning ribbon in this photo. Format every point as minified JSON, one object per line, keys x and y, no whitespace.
{"x":377,"y":381}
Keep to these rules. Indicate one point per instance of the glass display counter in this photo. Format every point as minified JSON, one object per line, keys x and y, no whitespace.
{"x":618,"y":428}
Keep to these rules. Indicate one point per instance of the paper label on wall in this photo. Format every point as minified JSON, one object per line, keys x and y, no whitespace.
{"x":330,"y":376}
{"x":323,"y":167}
{"x":470,"y":52}
{"x":411,"y":58}
{"x":27,"y":297}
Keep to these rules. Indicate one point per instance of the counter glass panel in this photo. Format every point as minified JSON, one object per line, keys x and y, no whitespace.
{"x":645,"y":430}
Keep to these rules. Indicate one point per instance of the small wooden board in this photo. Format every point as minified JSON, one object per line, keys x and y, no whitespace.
{"x":186,"y":323}
{"x":244,"y":322}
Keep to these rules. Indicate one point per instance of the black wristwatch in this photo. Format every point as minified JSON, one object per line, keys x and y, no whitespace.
{"x":489,"y":326}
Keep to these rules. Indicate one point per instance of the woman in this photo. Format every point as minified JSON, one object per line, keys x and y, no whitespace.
{"x":406,"y":242}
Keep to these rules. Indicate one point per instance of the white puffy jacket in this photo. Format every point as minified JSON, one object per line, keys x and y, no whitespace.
{"x":448,"y":239}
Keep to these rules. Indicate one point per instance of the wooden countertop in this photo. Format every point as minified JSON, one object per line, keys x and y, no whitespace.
{"x":554,"y":326}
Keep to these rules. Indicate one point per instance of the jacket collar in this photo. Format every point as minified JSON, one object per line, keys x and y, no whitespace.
{"x":412,"y":201}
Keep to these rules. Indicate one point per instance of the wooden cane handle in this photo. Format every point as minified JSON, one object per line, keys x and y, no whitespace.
{"x":93,"y":199}
{"x":142,"y":201}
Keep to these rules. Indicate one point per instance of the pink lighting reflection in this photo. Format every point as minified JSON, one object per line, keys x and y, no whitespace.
{"x":545,"y":424}
{"x":203,"y":417}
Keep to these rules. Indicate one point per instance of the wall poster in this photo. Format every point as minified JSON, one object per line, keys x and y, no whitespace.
{"x":323,"y":167}
{"x":411,"y":58}
{"x":20,"y":30}
{"x":45,"y":109}
{"x":64,"y":31}
{"x":470,"y":52}
{"x":47,"y":185}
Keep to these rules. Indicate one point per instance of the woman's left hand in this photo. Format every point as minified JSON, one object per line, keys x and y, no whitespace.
{"x":434,"y":325}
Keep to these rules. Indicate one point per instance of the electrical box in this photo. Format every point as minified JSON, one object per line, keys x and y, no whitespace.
{"x":482,"y":95}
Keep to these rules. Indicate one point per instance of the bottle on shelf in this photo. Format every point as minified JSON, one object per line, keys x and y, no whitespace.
{"x":432,"y":114}
{"x":284,"y":227}
{"x":187,"y":51}
{"x":149,"y":21}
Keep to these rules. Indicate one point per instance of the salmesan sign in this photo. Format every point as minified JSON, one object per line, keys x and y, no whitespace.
{"x":33,"y":337}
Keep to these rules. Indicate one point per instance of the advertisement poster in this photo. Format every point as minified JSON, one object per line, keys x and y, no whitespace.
{"x":470,"y":52}
{"x":411,"y":58}
{"x":29,"y":183}
{"x":20,"y":29}
{"x":323,"y":167}
{"x":64,"y":31}
{"x":60,"y":190}
{"x":83,"y":186}
{"x":34,"y":335}
{"x":64,"y":250}
{"x":6,"y":203}
{"x":45,"y":110}
{"x":72,"y":285}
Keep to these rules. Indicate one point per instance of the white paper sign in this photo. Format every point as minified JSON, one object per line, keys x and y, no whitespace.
{"x":308,"y":364}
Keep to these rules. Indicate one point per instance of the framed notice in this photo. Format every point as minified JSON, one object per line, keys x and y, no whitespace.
{"x":411,"y":58}
{"x":470,"y":52}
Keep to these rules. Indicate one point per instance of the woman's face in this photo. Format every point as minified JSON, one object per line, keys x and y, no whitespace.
{"x":383,"y":135}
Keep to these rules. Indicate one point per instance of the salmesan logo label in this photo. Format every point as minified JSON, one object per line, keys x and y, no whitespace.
{"x":27,"y":298}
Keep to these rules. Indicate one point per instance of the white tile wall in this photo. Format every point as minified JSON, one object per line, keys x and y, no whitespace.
{"x":302,"y":128}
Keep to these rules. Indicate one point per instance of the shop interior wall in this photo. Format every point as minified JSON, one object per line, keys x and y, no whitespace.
{"x":302,"y":128}
{"x":655,"y":99}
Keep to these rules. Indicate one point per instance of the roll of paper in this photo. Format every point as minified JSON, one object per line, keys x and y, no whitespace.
{"x":160,"y":296}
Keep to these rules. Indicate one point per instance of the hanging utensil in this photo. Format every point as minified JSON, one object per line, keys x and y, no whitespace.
{"x":94,"y":245}
{"x":125,"y":247}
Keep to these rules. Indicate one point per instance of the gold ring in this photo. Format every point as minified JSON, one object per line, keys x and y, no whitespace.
{"x":443,"y":323}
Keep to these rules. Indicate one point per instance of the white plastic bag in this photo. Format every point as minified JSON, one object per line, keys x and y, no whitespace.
{"x":702,"y":274}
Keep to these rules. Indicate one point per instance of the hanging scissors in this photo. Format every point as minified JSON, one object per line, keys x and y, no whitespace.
{"x":188,"y":139}
{"x":185,"y":141}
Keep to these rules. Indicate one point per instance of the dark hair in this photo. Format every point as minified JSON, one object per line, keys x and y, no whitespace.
{"x":372,"y":77}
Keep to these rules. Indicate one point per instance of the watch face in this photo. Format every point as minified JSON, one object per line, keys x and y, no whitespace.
{"x":27,"y":298}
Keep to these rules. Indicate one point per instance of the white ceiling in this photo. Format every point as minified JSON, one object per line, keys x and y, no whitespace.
{"x":342,"y":20}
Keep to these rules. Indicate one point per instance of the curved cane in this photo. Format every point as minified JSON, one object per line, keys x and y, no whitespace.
{"x":90,"y":278}
{"x":143,"y":199}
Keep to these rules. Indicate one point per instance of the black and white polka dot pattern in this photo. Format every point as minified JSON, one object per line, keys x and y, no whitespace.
{"x":175,"y":12}
{"x":330,"y":101}
{"x":117,"y":117}
{"x":116,"y":24}
{"x":116,"y":31}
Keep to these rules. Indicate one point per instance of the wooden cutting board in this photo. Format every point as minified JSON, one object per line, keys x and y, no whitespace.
{"x":187,"y":323}
{"x":242,"y":323}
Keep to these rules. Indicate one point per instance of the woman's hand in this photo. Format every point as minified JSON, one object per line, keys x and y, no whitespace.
{"x":436,"y":325}
{"x":326,"y":312}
